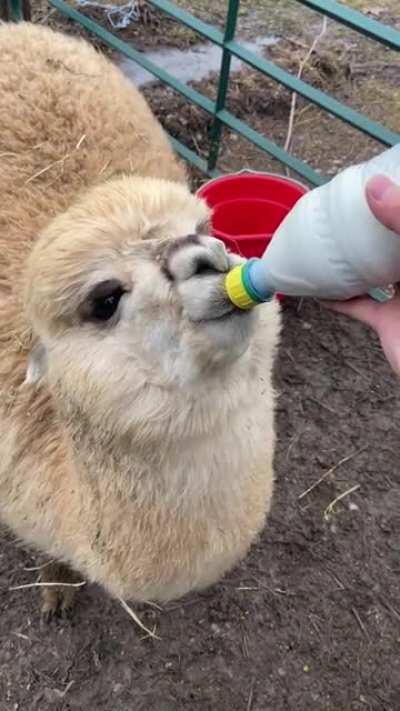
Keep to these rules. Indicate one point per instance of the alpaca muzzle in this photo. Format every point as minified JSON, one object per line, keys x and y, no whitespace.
{"x":197,"y":265}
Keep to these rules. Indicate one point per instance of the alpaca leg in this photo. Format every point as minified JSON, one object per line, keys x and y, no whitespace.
{"x":58,"y":600}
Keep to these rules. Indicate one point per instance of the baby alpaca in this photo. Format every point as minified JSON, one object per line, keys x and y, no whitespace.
{"x":136,"y":404}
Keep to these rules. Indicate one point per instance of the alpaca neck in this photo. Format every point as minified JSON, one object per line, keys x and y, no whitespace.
{"x":194,"y":454}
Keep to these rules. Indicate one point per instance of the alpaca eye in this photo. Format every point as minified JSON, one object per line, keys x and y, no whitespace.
{"x":104,"y":308}
{"x":104,"y":300}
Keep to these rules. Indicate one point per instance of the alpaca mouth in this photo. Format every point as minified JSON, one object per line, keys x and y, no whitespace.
{"x":232,"y":330}
{"x":217,"y":308}
{"x":235,"y":313}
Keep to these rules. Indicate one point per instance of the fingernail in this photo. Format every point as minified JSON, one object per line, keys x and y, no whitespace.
{"x":379,"y":186}
{"x":382,"y":294}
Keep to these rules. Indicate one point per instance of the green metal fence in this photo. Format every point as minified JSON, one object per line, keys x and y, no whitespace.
{"x":13,"y":10}
{"x":222,"y":117}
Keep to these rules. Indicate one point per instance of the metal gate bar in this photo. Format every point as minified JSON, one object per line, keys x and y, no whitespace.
{"x":353,"y":19}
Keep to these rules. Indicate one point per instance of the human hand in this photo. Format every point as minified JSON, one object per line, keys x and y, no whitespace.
{"x":383,"y":198}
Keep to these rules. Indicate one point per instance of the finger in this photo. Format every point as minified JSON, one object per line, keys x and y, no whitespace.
{"x":391,"y":348}
{"x":383,"y":198}
{"x":362,"y":309}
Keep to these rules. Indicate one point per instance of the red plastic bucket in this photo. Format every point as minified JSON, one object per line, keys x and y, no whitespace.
{"x":248,"y":207}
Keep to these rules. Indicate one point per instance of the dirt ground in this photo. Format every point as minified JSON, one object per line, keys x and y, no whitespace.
{"x":310,"y":621}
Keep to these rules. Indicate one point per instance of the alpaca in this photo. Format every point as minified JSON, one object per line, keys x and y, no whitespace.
{"x":136,"y":403}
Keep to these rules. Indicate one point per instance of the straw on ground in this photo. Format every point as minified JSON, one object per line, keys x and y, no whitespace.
{"x":47,"y":585}
{"x":322,"y":478}
{"x":137,"y":620}
{"x":331,"y":507}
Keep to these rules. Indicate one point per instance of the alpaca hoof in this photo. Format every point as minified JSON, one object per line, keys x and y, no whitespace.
{"x":57,"y":600}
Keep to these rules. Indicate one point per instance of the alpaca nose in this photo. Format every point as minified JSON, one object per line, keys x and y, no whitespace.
{"x":195,"y":255}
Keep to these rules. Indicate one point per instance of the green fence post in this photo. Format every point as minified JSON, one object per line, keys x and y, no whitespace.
{"x":223,"y":83}
{"x":15,"y":10}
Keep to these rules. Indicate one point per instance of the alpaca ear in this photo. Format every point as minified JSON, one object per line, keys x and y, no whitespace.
{"x":37,"y":365}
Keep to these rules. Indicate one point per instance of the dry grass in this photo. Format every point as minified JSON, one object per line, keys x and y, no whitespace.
{"x":137,"y":620}
{"x":26,"y":586}
{"x":331,"y":471}
{"x":330,"y":509}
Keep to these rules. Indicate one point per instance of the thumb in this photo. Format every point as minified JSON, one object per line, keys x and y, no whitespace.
{"x":383,"y":197}
{"x":391,"y":347}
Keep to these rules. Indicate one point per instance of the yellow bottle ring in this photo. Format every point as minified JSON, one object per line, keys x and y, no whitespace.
{"x":236,"y":289}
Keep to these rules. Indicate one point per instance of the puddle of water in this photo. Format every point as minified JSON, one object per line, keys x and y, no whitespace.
{"x":188,"y":65}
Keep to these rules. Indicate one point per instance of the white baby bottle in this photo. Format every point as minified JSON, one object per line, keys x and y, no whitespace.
{"x":330,"y":245}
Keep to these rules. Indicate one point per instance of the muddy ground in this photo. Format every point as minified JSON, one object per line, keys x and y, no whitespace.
{"x":310,"y":621}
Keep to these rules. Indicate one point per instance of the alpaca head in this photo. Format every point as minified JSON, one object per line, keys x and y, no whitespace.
{"x":125,"y":295}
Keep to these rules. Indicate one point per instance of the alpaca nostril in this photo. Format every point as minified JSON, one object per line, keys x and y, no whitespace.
{"x":202,"y":265}
{"x":195,"y":256}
